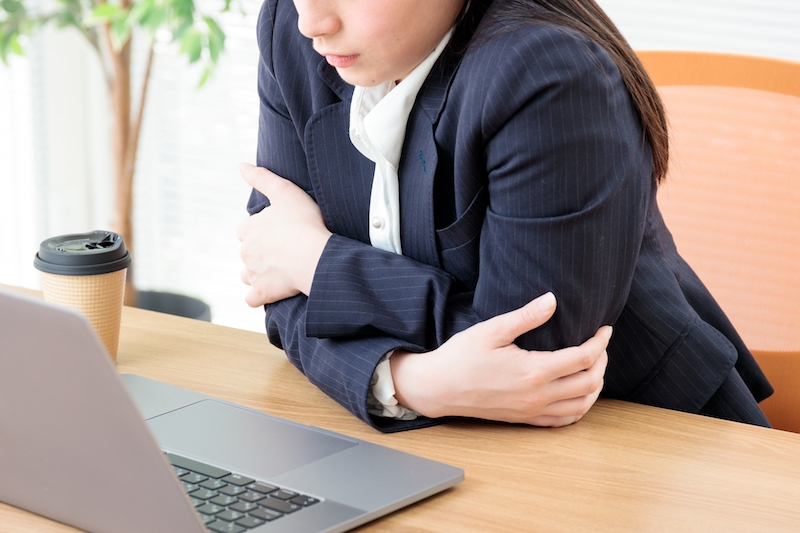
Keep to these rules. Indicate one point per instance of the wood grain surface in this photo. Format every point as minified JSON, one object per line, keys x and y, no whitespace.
{"x":624,"y":467}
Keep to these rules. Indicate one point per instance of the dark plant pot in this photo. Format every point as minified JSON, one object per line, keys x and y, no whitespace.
{"x":174,"y":304}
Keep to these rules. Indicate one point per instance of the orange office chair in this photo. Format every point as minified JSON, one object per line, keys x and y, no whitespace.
{"x":732,"y":199}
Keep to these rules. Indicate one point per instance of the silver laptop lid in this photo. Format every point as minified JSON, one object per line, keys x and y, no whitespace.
{"x":73,"y":446}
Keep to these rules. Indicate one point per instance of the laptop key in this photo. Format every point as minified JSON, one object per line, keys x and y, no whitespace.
{"x":232,"y":490}
{"x":192,"y":477}
{"x":203,"y":494}
{"x":251,"y":496}
{"x":263,"y":488}
{"x":196,"y":466}
{"x":265,"y":514}
{"x":236,"y":479}
{"x":279,"y":505}
{"x":284,"y":494}
{"x":224,"y":500}
{"x":230,"y":515}
{"x":213,"y":484}
{"x":249,"y":522}
{"x":210,"y":509}
{"x":232,"y":503}
{"x":221,"y":526}
{"x":304,"y":500}
{"x":244,"y":507}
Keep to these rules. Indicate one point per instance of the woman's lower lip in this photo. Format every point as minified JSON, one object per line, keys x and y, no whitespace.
{"x":341,"y":61}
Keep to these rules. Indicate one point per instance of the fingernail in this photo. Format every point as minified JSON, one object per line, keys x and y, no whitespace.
{"x":243,"y":166}
{"x":608,"y":331}
{"x":546,"y":302}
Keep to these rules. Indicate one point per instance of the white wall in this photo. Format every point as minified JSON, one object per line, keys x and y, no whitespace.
{"x":17,"y":176}
{"x":189,"y":196}
{"x":755,"y":27}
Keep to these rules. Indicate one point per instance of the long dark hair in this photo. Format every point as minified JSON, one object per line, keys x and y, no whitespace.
{"x":587,"y":18}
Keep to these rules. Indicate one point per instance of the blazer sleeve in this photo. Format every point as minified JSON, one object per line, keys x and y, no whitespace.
{"x":568,"y":175}
{"x":343,"y":366}
{"x":561,"y":152}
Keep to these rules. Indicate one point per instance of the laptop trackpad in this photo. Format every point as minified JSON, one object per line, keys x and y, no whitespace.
{"x":242,"y":440}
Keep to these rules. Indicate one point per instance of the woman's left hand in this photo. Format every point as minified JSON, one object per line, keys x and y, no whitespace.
{"x":282,"y":244}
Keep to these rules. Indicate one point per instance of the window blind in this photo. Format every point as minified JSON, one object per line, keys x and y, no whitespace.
{"x":189,"y":197}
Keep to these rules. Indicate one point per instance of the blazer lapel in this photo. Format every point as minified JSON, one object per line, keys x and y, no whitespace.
{"x":341,"y":88}
{"x":420,"y":161}
{"x":340,"y":175}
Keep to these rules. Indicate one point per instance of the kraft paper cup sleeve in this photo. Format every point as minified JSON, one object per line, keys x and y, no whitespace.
{"x":98,"y":297}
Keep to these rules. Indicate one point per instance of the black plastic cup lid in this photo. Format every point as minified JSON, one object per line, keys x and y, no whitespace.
{"x":83,"y":254}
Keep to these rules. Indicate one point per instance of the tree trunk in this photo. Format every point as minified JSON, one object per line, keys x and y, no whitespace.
{"x":120,"y":93}
{"x":125,"y":141}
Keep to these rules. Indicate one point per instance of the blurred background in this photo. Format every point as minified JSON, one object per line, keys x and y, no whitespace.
{"x":55,"y":162}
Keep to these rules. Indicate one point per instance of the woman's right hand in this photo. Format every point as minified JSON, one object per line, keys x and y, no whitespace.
{"x":481,"y":373}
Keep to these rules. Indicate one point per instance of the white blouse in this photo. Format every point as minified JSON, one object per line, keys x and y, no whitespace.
{"x":378,"y":120}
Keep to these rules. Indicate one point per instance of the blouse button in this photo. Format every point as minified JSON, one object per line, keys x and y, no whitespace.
{"x":377,"y":222}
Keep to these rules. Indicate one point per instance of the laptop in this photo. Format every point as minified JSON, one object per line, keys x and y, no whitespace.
{"x":106,"y":453}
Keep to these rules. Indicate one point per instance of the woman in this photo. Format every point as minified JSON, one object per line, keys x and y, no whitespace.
{"x":449,"y":161}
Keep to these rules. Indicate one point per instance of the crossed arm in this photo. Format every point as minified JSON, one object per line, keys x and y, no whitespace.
{"x":582,"y":241}
{"x":478,"y":372}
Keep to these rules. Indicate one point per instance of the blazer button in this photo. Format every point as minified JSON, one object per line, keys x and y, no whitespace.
{"x":377,"y":222}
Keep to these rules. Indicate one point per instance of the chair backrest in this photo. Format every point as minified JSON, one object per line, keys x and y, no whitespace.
{"x":732,"y":198}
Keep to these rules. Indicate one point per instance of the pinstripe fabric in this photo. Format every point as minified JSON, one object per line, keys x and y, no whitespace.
{"x":524,"y":170}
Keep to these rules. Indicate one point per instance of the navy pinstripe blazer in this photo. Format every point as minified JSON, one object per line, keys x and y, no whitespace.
{"x":524,"y":170}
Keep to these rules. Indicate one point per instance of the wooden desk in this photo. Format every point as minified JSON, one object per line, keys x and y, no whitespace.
{"x":624,"y":467}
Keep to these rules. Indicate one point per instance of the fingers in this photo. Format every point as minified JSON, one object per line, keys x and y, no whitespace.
{"x":508,"y":326}
{"x":577,"y":380}
{"x":241,"y":229}
{"x":566,"y":412}
{"x":568,"y":361}
{"x":259,"y":294}
{"x":504,"y":383}
{"x":579,"y":391}
{"x":253,"y":299}
{"x":261,"y":179}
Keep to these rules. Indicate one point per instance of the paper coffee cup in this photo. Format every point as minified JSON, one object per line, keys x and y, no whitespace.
{"x":86,"y":271}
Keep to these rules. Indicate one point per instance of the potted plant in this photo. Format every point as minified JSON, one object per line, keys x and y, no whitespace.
{"x":110,"y":29}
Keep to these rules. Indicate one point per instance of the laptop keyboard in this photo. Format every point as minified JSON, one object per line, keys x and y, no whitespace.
{"x":231,"y":503}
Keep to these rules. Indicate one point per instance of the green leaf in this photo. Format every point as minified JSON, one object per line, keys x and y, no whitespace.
{"x":181,"y":29}
{"x":14,"y":46}
{"x":103,"y":14}
{"x":183,"y":10}
{"x":141,"y":10}
{"x":216,"y":38}
{"x":201,"y":41}
{"x":9,"y":43}
{"x":12,"y":7}
{"x":204,"y":78}
{"x":120,"y":32}
{"x":106,"y":11}
{"x":65,"y":18}
{"x":150,"y":15}
{"x":192,"y":44}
